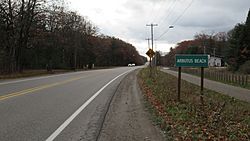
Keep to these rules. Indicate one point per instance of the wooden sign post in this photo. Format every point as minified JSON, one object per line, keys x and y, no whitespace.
{"x":191,"y":60}
{"x":150,"y":54}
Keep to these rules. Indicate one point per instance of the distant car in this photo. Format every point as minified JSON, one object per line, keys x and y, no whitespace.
{"x":131,"y":65}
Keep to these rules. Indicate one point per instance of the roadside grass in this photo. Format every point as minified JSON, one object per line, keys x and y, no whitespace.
{"x":30,"y":73}
{"x":158,"y":120}
{"x":221,"y":70}
{"x":220,"y":117}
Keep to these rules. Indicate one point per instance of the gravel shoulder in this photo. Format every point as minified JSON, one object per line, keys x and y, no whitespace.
{"x":127,"y":119}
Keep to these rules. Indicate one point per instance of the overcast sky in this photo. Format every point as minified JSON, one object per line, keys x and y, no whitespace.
{"x":127,"y":19}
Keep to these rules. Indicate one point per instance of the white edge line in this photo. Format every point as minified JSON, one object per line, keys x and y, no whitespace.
{"x":70,"y":119}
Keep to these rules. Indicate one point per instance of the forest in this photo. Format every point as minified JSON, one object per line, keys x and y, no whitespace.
{"x":233,"y":47}
{"x":44,"y":34}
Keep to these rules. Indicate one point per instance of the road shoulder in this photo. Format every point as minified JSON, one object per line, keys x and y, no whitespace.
{"x":127,"y":118}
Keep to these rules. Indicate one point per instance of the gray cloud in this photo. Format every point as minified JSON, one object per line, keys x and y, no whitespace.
{"x":213,"y":15}
{"x":128,"y":21}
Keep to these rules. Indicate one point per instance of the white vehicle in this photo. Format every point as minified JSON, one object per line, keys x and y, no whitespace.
{"x":131,"y":65}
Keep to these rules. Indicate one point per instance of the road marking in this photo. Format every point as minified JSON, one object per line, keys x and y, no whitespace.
{"x":43,"y":77}
{"x":23,"y":92}
{"x":79,"y":110}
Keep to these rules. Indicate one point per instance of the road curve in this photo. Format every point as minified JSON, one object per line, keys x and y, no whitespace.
{"x":237,"y":92}
{"x":34,"y":109}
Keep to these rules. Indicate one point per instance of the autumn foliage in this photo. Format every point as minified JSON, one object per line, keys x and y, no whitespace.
{"x":233,"y":47}
{"x":44,"y":34}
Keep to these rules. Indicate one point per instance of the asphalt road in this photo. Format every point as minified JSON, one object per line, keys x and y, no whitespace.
{"x":237,"y":92}
{"x":61,"y":107}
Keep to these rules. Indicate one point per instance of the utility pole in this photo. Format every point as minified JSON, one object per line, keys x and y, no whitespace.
{"x":150,"y":61}
{"x":148,"y":39}
{"x":155,"y":54}
{"x":204,"y":49}
{"x":152,"y":33}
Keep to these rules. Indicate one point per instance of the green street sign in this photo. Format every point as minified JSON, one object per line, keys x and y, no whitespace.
{"x":191,"y":60}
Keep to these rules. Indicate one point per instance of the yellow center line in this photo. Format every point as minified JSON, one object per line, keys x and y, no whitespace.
{"x":30,"y":90}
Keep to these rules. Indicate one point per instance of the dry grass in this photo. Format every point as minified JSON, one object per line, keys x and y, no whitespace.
{"x":220,"y":117}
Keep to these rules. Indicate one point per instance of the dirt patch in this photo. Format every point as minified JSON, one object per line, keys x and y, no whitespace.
{"x":127,"y":119}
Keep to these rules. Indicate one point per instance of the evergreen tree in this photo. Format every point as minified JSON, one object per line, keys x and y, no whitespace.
{"x":235,"y":43}
{"x":239,"y":45}
{"x":246,"y":50}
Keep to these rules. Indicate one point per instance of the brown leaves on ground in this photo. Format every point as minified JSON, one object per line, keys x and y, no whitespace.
{"x":219,"y":118}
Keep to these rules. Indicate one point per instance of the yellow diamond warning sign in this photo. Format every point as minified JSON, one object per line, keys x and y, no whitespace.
{"x":150,"y":53}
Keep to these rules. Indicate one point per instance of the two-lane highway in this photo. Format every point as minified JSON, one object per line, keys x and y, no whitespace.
{"x":60,"y":107}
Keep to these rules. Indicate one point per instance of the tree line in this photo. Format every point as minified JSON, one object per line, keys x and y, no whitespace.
{"x":39,"y":34}
{"x":233,"y":47}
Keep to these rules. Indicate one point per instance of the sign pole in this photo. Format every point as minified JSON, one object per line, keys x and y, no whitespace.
{"x":191,"y":60}
{"x":150,"y":54}
{"x":179,"y":84}
{"x":202,"y":84}
{"x":150,"y":60}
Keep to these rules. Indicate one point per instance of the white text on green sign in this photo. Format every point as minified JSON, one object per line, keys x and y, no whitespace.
{"x":191,"y":60}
